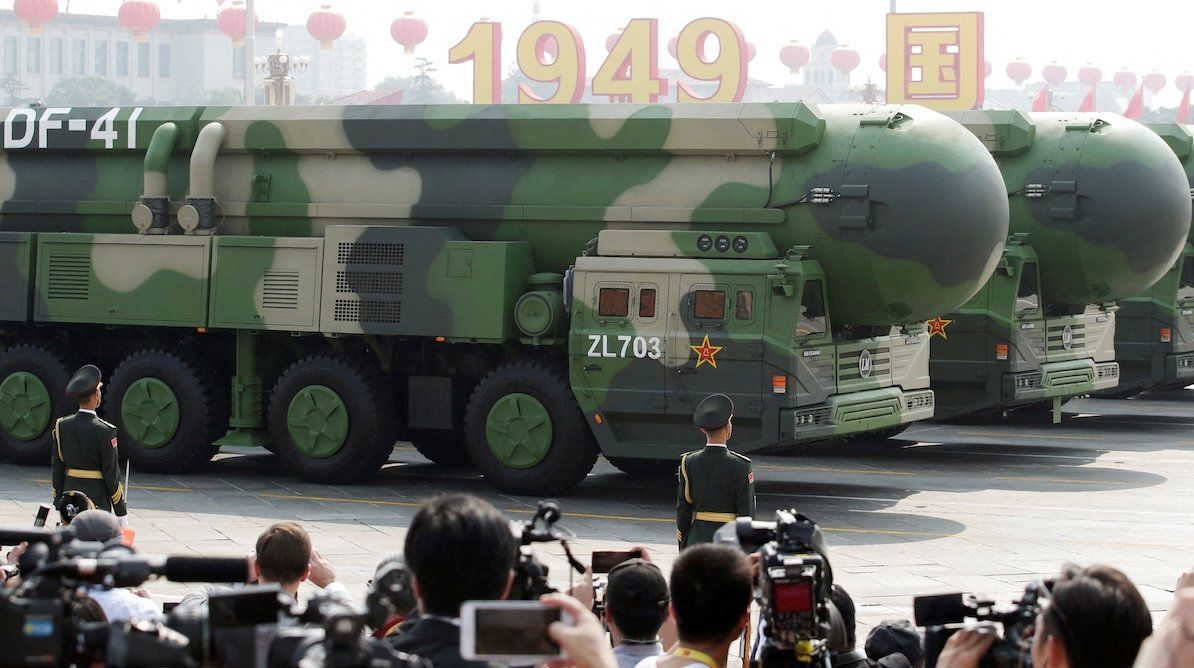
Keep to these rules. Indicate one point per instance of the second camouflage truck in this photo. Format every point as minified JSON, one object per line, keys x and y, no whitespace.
{"x":523,"y":287}
{"x":1154,"y":330}
{"x":1100,"y":210}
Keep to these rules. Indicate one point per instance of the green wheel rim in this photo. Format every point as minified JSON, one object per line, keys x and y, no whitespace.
{"x":317,"y":421}
{"x":150,"y":412}
{"x":24,"y":406}
{"x":518,"y":431}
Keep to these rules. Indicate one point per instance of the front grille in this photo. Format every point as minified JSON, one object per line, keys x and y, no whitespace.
{"x":1055,"y":339}
{"x":917,"y":400}
{"x":848,"y":365}
{"x":811,"y":418}
{"x":1108,"y":371}
{"x":1028,"y":381}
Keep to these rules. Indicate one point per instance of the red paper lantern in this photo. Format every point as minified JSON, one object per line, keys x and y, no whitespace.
{"x":1125,"y":79}
{"x":1183,"y":82}
{"x":231,"y":20}
{"x":671,"y":48}
{"x":139,"y":16}
{"x":408,"y":31}
{"x":1019,"y":71}
{"x":1053,"y":73}
{"x":35,"y":13}
{"x":326,"y":26}
{"x":1154,"y":81}
{"x":1090,"y":75}
{"x":794,"y":56}
{"x":844,"y":60}
{"x":612,"y":40}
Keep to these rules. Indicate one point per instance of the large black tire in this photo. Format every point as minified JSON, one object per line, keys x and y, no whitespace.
{"x":26,"y":419}
{"x":200,"y":404}
{"x":445,"y":447}
{"x":571,"y":451}
{"x":646,"y":468}
{"x":357,"y":443}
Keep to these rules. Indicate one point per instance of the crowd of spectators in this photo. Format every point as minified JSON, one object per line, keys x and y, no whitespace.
{"x":460,"y":548}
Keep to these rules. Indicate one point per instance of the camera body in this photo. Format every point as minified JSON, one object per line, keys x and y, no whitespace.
{"x":530,"y":574}
{"x":795,"y":580}
{"x":943,"y":615}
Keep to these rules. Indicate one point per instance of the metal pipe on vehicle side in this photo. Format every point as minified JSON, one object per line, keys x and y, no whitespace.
{"x":198,"y":215}
{"x":151,"y":215}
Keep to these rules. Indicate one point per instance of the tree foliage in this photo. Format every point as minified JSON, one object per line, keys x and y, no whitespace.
{"x":89,"y":92}
{"x":420,"y":88}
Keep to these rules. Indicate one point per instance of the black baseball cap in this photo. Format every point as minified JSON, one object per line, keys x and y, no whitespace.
{"x":636,"y":583}
{"x":892,"y":636}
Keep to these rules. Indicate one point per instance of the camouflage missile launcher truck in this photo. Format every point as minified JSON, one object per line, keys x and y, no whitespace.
{"x":1154,"y":330}
{"x":522,"y":287}
{"x":1100,"y":209}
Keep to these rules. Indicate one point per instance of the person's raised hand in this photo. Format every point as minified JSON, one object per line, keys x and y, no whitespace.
{"x":583,"y":590}
{"x":583,"y":644}
{"x":965,"y":649}
{"x":322,"y":571}
{"x":1172,"y":644}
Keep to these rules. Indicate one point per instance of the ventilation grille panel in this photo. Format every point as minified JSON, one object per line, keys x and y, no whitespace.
{"x":70,"y":277}
{"x":280,"y":290}
{"x":369,"y":282}
{"x":367,"y":252}
{"x":368,"y":312}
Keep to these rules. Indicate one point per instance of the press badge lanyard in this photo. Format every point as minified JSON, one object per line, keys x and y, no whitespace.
{"x":699,"y":657}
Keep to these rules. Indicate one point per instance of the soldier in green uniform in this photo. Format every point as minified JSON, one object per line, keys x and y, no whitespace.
{"x":715,"y":485}
{"x":85,"y":456}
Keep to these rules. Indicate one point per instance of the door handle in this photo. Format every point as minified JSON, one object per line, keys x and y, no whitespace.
{"x":591,"y":367}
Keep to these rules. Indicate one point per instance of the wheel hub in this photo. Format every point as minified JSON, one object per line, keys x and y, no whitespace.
{"x":518,"y":430}
{"x":24,"y":406}
{"x":150,"y":412}
{"x":317,"y":421}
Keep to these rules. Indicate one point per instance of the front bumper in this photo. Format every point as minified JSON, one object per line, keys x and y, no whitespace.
{"x":853,"y":413}
{"x":1179,"y":367}
{"x":1059,"y":379}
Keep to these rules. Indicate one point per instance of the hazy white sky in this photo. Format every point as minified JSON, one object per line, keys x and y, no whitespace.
{"x":1140,"y":35}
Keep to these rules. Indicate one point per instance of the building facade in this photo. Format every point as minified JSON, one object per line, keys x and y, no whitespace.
{"x":182,"y":62}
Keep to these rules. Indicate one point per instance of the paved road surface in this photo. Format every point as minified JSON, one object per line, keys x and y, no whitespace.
{"x":944,"y":508}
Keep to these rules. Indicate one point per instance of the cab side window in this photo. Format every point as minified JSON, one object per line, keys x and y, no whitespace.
{"x":1185,"y":289}
{"x":1028,"y":297}
{"x":613,"y":302}
{"x":744,"y":305}
{"x":709,"y":304}
{"x":811,"y":319}
{"x":646,"y":303}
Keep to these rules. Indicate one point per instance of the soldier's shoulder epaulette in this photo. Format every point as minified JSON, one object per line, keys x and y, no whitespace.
{"x":105,"y":422}
{"x":742,"y":457}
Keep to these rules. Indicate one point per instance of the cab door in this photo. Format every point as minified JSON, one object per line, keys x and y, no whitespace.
{"x":715,"y":345}
{"x":622,"y":343}
{"x":816,"y":356}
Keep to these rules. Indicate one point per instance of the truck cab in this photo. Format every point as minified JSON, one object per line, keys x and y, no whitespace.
{"x":1155,"y":331}
{"x":662,"y":319}
{"x":1006,"y":348}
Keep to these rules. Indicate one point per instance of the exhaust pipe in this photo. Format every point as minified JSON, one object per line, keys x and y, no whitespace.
{"x":151,"y":215}
{"x":198,"y":215}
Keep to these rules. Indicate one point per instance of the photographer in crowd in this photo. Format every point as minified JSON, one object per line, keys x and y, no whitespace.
{"x":711,"y":592}
{"x":118,"y":603}
{"x":284,"y":557}
{"x":458,"y":548}
{"x":1094,"y":617}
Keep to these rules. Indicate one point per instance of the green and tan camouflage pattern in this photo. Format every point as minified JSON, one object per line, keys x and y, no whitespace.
{"x":1078,"y":184}
{"x":1154,"y":330}
{"x":429,"y":223}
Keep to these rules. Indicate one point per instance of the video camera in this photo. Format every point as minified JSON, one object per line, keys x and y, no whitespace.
{"x":795,"y":581}
{"x":530,"y":574}
{"x":43,"y":621}
{"x":944,"y":614}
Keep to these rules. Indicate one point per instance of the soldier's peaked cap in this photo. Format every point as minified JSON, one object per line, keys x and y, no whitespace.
{"x":84,"y":382}
{"x":714,"y":412}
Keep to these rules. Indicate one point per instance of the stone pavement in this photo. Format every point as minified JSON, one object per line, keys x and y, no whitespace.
{"x":944,"y":508}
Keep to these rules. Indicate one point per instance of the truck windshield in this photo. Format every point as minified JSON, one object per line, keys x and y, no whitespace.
{"x":811,"y":319}
{"x":1185,"y":289}
{"x":1028,"y":297}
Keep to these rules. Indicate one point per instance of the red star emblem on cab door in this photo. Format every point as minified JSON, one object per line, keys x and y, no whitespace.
{"x":706,"y":353}
{"x":937,"y":327}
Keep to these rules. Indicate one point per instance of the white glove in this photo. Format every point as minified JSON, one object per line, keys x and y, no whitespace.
{"x":124,"y":521}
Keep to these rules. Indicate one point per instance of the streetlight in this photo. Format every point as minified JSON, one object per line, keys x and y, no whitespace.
{"x":279,"y":69}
